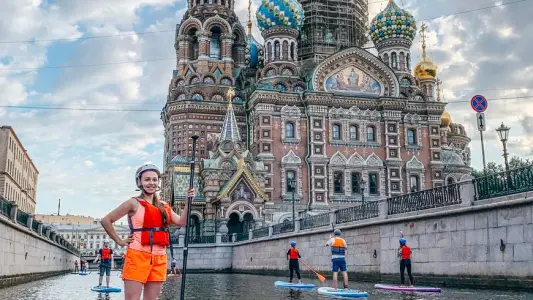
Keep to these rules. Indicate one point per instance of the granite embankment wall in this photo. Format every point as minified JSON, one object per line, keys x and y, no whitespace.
{"x":476,"y":243}
{"x":30,"y":252}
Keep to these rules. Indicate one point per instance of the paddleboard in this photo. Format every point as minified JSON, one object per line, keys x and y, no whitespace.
{"x":418,"y":289}
{"x":104,"y":289}
{"x":289,"y":285}
{"x":348,"y":293}
{"x":84,"y":274}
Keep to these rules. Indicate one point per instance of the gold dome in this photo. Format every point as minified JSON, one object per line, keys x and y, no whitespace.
{"x":445,"y":119}
{"x":426,"y":69}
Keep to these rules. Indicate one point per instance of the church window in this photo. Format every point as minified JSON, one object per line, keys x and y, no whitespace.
{"x":209,"y":80}
{"x":450,"y":180}
{"x":237,"y":100}
{"x":336,"y":132}
{"x":280,"y":87}
{"x":215,"y":50}
{"x":414,"y":182}
{"x":286,"y":72}
{"x":356,"y":183}
{"x":354,"y":136}
{"x":181,"y":97}
{"x":195,"y":80}
{"x":198,"y":97}
{"x":291,"y":176}
{"x":225,"y":81}
{"x":276,"y":49}
{"x":394,"y":61}
{"x":370,"y":134}
{"x":269,"y":51}
{"x":405,"y":82}
{"x":292,"y":51}
{"x":338,"y":186}
{"x":411,"y":137}
{"x":386,"y":59}
{"x":373,"y":184}
{"x":218,"y":98}
{"x":289,"y":130}
{"x":408,"y":62}
{"x":402,"y":61}
{"x":180,"y":82}
{"x":298,"y":89}
{"x":270,"y":73}
{"x":194,"y":45}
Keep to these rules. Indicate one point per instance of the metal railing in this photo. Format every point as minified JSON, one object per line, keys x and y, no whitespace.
{"x":260,"y":232}
{"x":505,"y":183}
{"x":5,"y":207}
{"x":283,"y":228}
{"x":426,"y":199}
{"x":210,"y":239}
{"x":22,"y":218}
{"x":35,"y":225}
{"x":242,"y":236}
{"x":364,"y":211}
{"x":315,"y":221}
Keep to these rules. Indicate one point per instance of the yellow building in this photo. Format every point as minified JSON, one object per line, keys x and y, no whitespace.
{"x":18,"y":174}
{"x":65,"y":219}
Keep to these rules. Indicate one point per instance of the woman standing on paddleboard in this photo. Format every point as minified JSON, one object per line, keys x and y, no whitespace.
{"x":149,"y":218}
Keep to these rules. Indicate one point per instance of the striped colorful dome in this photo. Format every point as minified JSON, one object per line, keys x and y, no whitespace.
{"x":280,"y":13}
{"x":393,"y":22}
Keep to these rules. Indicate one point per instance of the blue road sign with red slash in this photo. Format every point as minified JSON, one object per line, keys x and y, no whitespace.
{"x":479,"y":103}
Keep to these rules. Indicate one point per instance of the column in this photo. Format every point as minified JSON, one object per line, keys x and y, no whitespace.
{"x":30,"y":222}
{"x":13,"y":213}
{"x":227,"y":44}
{"x":183,"y":52}
{"x":203,"y":39}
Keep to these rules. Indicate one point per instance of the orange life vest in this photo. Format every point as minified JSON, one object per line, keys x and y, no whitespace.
{"x":153,"y":232}
{"x":106,"y":253}
{"x":293,"y":253}
{"x":406,"y":252}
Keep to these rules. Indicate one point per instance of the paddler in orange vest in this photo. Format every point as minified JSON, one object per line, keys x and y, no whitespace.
{"x":149,"y":218}
{"x":338,"y":257}
{"x":292,"y":256}
{"x":105,"y":256}
{"x":405,"y":262}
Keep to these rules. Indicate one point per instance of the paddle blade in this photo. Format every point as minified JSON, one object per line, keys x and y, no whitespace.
{"x":321,"y":278}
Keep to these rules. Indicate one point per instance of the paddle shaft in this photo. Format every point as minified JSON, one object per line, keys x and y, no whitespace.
{"x":188,"y":214}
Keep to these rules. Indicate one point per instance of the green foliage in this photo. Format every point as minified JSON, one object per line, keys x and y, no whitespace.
{"x":493,"y":168}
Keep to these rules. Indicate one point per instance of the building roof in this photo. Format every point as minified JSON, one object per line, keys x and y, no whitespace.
{"x":4,"y":127}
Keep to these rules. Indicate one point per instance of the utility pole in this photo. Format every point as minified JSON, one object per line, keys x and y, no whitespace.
{"x":58,"y":206}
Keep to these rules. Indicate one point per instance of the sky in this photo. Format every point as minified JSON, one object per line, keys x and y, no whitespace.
{"x":72,"y":57}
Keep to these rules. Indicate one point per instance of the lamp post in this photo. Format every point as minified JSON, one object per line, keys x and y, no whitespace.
{"x":292,"y":184}
{"x":362,"y":183}
{"x":503,"y":133}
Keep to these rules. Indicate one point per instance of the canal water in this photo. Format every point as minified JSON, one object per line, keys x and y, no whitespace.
{"x":224,"y":286}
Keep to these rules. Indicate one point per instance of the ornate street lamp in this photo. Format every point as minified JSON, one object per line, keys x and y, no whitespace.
{"x":362,"y":184}
{"x":292,"y":185}
{"x":503,"y":133}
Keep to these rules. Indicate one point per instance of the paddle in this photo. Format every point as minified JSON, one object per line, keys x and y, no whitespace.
{"x":320,"y":277}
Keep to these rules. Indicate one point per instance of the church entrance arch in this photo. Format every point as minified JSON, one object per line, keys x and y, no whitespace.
{"x":194,"y":228}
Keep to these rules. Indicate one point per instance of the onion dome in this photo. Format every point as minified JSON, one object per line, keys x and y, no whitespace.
{"x":393,"y":23}
{"x":445,"y":119}
{"x":280,"y":13}
{"x":253,"y":52}
{"x":426,"y":68}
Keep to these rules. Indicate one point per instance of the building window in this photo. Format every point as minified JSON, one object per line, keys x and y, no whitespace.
{"x":370,"y":134}
{"x":336,"y":132}
{"x":338,"y":182}
{"x":353,"y":133}
{"x":373,"y":184}
{"x":414,"y":182}
{"x":214,"y":45}
{"x":289,"y":130}
{"x":411,"y":136}
{"x":356,"y":185}
{"x":450,"y":180}
{"x":291,"y":175}
{"x":276,"y":50}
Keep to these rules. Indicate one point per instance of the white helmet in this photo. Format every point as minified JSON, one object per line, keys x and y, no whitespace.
{"x":106,"y":241}
{"x":141,"y":170}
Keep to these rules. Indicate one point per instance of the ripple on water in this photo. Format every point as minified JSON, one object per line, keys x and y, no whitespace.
{"x":224,"y":286}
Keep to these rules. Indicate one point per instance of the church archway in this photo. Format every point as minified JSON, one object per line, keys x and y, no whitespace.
{"x":247,"y":222}
{"x":194,"y":228}
{"x":234,"y":223}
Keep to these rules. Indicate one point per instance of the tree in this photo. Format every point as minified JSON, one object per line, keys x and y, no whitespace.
{"x":493,"y":168}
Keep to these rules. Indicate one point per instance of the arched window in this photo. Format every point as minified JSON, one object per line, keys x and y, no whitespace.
{"x":411,"y":136}
{"x":394,"y":61}
{"x":370,"y":134}
{"x":289,"y":130}
{"x":194,"y":45}
{"x":373,"y":184}
{"x":386,"y":59}
{"x":276,"y":50}
{"x":450,"y":180}
{"x":336,"y":131}
{"x":356,"y":183}
{"x":215,"y":48}
{"x":354,"y":134}
{"x":338,"y":182}
{"x":285,"y":50}
{"x":269,"y":51}
{"x":402,"y":61}
{"x":292,"y":52}
{"x":291,"y":179}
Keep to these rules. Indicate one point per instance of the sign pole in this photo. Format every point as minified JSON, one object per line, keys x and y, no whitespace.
{"x":479,"y":104}
{"x":188,"y":213}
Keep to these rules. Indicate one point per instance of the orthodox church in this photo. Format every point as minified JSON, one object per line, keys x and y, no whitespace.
{"x":275,"y":128}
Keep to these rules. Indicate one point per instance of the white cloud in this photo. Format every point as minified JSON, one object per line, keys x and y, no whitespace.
{"x":88,"y":164}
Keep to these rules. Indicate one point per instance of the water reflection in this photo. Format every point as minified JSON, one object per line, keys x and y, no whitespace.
{"x":226,"y":287}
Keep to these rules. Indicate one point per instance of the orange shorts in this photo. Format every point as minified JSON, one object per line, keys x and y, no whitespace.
{"x":137,"y":266}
